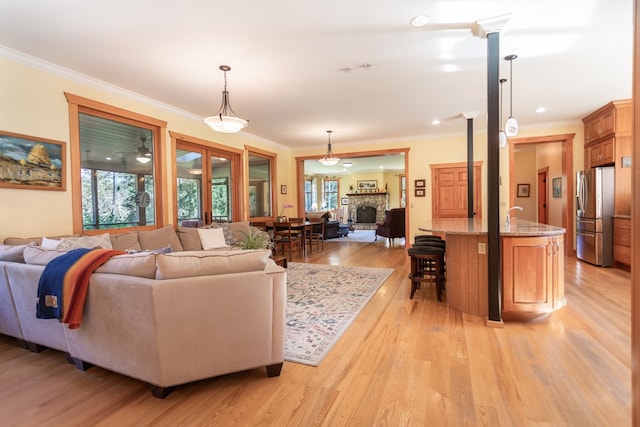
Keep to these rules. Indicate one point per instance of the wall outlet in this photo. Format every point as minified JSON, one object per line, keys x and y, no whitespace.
{"x":482,"y":248}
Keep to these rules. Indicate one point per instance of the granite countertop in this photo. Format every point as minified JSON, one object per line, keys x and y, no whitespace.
{"x":517,"y":227}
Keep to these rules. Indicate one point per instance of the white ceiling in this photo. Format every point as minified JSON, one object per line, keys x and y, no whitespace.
{"x":287,"y":58}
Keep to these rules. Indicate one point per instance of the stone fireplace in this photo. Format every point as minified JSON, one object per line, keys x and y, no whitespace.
{"x":372,"y":205}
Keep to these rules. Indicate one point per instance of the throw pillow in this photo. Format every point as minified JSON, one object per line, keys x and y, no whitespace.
{"x":212,"y":238}
{"x":98,"y":241}
{"x":239,"y":230}
{"x":126,"y":241}
{"x":50,"y":243}
{"x":160,"y":238}
{"x":189,"y":238}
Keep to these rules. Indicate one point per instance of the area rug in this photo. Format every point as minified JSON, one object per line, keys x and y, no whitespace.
{"x":322,"y":301}
{"x":361,"y":236}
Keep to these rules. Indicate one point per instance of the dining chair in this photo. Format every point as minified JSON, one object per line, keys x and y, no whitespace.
{"x":315,"y":236}
{"x":285,"y":240}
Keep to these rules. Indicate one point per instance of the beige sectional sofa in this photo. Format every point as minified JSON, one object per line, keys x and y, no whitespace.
{"x":163,"y":318}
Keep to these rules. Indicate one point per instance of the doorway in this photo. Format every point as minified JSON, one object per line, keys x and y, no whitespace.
{"x":207,"y":188}
{"x":567,"y":176}
{"x":543,"y":176}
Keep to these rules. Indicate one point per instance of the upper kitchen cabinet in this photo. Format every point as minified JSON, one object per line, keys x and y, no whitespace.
{"x":608,"y":141}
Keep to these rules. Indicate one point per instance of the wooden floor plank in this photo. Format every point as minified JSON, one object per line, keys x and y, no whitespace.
{"x":401,"y":362}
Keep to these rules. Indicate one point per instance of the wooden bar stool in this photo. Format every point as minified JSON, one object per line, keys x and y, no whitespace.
{"x":427,"y":265}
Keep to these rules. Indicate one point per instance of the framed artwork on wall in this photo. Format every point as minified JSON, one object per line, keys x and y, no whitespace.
{"x":523,"y":190}
{"x":557,"y":187}
{"x":420,"y":192}
{"x":344,"y":201}
{"x":31,"y":163}
{"x":283,"y":189}
{"x":420,"y":183}
{"x":369,"y":184}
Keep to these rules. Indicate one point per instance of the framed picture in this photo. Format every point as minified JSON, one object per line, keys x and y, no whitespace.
{"x":344,"y":201}
{"x":283,"y":189}
{"x":420,"y":192}
{"x":370,"y":184}
{"x":523,"y":190}
{"x":420,"y":183}
{"x":31,"y":163}
{"x":557,"y":187}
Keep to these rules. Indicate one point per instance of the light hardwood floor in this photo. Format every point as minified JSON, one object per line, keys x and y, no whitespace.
{"x":402,"y":362}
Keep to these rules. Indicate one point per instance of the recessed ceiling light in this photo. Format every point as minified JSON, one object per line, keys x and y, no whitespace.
{"x":419,"y":21}
{"x":540,"y":110}
{"x":347,"y":164}
{"x":108,"y":158}
{"x":435,"y":122}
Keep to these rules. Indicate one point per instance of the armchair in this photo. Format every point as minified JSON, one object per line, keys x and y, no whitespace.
{"x":393,"y":225}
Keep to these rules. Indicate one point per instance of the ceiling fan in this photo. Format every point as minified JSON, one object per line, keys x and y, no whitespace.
{"x":144,"y":154}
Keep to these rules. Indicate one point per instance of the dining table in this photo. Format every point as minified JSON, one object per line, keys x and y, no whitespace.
{"x":301,"y":226}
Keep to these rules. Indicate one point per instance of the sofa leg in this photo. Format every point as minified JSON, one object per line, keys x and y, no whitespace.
{"x":160,"y":392}
{"x":274,"y":370}
{"x":23,"y":344}
{"x":35,"y":348}
{"x":80,"y":364}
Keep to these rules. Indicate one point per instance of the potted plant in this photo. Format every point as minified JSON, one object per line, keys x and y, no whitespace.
{"x":255,"y":239}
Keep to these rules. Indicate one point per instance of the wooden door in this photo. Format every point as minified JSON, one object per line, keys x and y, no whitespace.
{"x":542,"y":195}
{"x":449,"y":189}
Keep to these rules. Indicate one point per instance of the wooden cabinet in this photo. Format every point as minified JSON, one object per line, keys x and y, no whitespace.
{"x":607,"y":141}
{"x":622,"y":240}
{"x":532,"y":276}
{"x":602,"y":153}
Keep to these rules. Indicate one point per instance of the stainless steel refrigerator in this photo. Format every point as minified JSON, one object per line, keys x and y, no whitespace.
{"x":594,"y":222}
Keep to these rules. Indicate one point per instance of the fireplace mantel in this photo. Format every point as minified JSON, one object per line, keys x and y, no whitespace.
{"x":366,"y":194}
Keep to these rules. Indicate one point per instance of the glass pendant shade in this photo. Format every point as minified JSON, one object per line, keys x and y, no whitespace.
{"x":225,"y":120}
{"x":502,"y":139}
{"x":511,"y":127}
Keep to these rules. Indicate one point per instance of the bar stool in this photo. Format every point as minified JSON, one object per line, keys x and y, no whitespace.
{"x":427,"y":263}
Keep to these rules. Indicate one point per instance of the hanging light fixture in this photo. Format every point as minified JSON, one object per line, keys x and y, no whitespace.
{"x":502,"y":139}
{"x":511,"y":127}
{"x":225,"y":120}
{"x":144,"y":154}
{"x":329,"y":159}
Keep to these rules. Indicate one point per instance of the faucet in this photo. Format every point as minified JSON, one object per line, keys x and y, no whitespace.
{"x":508,"y":211}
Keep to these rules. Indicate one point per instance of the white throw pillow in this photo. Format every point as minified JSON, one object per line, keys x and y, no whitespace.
{"x":212,"y":238}
{"x":50,"y":243}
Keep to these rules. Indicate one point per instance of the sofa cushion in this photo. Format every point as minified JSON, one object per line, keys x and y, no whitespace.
{"x":212,"y":238}
{"x":160,"y":238}
{"x":48,"y":243}
{"x":125,"y":241}
{"x":13,"y":253}
{"x":38,"y":255}
{"x":189,"y":238}
{"x":141,"y":264}
{"x":204,"y":263}
{"x":238,"y":231}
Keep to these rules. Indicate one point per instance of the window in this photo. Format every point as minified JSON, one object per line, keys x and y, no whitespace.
{"x":115,"y":164}
{"x":309,"y":195}
{"x":331,"y":192}
{"x":403,"y":191}
{"x":262,"y":197}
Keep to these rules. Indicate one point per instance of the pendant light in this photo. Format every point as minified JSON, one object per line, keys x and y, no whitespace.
{"x":225,"y":120}
{"x":502,"y":138}
{"x":511,"y":127}
{"x":329,"y":159}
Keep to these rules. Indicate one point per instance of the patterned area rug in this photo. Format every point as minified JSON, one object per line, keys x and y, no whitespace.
{"x":322,"y":301}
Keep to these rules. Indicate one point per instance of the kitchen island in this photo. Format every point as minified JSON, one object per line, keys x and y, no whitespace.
{"x":532,"y":267}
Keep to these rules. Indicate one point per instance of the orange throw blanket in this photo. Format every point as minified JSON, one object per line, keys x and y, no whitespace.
{"x":64,"y":284}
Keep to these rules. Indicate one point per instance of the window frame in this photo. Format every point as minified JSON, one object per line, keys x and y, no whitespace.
{"x":77,"y":105}
{"x":337,"y":192}
{"x":273,"y":185}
